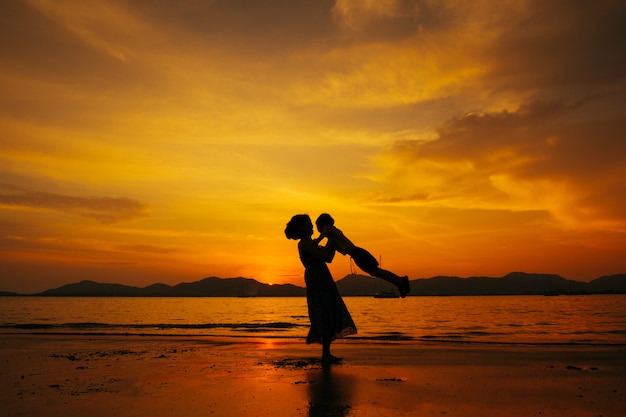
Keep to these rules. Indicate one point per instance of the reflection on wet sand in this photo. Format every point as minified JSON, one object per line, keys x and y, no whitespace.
{"x":330,"y":391}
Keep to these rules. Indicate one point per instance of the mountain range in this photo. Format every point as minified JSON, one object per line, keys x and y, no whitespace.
{"x":515,"y":283}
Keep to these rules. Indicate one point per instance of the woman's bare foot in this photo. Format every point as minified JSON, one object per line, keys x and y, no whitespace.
{"x":331,"y":359}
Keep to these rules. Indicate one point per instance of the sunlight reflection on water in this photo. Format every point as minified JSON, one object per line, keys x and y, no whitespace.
{"x":508,"y":319}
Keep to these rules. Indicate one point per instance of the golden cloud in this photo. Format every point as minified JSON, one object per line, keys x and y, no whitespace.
{"x":103,"y":209}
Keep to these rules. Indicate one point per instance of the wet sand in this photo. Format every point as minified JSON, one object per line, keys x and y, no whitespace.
{"x":121,"y":376}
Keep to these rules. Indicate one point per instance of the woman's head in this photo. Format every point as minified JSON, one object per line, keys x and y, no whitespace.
{"x":299,"y":226}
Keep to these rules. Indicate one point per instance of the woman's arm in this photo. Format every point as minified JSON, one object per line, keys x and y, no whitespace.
{"x":323,"y":253}
{"x":328,"y":250}
{"x":323,"y":234}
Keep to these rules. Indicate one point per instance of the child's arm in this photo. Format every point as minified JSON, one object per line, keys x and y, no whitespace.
{"x":323,"y":234}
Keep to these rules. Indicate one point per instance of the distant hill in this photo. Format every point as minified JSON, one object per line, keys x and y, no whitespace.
{"x":208,"y":287}
{"x":515,"y":283}
{"x":93,"y":289}
{"x":615,"y":284}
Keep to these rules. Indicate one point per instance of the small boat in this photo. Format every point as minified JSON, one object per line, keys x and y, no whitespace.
{"x":386,"y":294}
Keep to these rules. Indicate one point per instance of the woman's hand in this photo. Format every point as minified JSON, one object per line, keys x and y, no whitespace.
{"x":324,"y":253}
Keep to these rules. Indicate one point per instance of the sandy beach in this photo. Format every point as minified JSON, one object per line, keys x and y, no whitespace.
{"x":181,"y":376}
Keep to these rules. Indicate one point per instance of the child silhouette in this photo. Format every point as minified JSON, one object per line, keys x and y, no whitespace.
{"x":362,"y":258}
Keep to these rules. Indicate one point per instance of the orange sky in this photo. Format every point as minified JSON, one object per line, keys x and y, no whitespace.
{"x":168,"y":141}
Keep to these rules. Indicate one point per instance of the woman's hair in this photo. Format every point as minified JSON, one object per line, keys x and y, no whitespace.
{"x":298,"y":227}
{"x":324,"y":219}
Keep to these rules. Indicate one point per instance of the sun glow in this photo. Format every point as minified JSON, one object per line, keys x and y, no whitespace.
{"x":143,"y":145}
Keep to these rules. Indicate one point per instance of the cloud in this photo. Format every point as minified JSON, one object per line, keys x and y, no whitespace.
{"x":560,"y":45}
{"x":102,"y":25}
{"x":106,"y":210}
{"x":539,"y":157}
{"x":494,"y":55}
{"x":390,"y":18}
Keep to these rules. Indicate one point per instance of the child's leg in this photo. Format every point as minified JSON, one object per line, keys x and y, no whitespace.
{"x":368,"y":263}
{"x":386,"y":275}
{"x":401,"y":282}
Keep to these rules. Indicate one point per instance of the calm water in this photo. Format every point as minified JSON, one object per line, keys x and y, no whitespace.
{"x":597,"y":319}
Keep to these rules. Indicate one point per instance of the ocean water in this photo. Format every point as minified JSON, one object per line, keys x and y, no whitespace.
{"x":590,"y":319}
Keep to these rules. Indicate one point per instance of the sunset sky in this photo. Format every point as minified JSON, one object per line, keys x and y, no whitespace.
{"x":168,"y":141}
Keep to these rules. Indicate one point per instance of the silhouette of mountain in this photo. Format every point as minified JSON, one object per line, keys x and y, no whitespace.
{"x":93,"y":289}
{"x":611,"y":284}
{"x":207,"y":287}
{"x":515,"y":283}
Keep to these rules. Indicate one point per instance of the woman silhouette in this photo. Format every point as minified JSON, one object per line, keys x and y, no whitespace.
{"x":328,"y":314}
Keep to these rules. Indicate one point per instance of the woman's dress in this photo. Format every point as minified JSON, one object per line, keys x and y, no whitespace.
{"x":328,"y":314}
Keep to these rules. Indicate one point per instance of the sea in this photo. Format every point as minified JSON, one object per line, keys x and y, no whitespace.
{"x":571,"y":319}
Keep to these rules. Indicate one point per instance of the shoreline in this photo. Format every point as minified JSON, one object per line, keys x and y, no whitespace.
{"x":250,"y":338}
{"x":127,"y":375}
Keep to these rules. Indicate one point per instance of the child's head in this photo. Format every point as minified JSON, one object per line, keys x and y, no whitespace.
{"x":299,"y":226}
{"x":324,"y":220}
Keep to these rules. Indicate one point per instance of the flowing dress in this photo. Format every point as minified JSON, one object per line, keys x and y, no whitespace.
{"x":328,"y":313}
